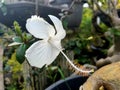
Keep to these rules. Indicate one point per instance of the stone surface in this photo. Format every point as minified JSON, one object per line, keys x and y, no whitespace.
{"x":107,"y":77}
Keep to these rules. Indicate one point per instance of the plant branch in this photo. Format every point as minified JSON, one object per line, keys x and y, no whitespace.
{"x":114,"y":10}
{"x":99,"y":8}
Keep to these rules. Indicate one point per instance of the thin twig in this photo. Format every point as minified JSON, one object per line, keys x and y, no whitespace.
{"x":100,"y":9}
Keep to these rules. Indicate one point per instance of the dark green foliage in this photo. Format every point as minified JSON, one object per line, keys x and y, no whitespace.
{"x":17,"y":28}
{"x":54,"y":73}
{"x":17,"y":39}
{"x":20,"y":35}
{"x":114,"y":31}
{"x":20,"y":53}
{"x":25,"y":39}
{"x":80,"y":47}
{"x":88,"y":43}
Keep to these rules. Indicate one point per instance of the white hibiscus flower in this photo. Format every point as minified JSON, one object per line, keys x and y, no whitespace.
{"x":45,"y":51}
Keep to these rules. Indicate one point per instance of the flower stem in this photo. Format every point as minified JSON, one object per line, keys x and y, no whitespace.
{"x":78,"y":69}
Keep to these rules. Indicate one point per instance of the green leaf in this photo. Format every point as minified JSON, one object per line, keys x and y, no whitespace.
{"x":65,"y":23}
{"x":78,"y":44}
{"x":17,"y":39}
{"x":17,"y":28}
{"x":20,"y":53}
{"x":115,"y":31}
{"x":28,"y":36}
{"x":77,"y":50}
{"x":61,"y":73}
{"x":7,"y":68}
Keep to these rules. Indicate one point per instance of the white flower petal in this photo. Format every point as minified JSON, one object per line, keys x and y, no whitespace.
{"x":41,"y":53}
{"x":58,"y":26}
{"x":39,"y":28}
{"x":56,"y":43}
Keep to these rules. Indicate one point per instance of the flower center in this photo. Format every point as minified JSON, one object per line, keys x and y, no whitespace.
{"x":50,"y":40}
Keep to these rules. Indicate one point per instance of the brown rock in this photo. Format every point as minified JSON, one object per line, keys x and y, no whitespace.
{"x":107,"y":77}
